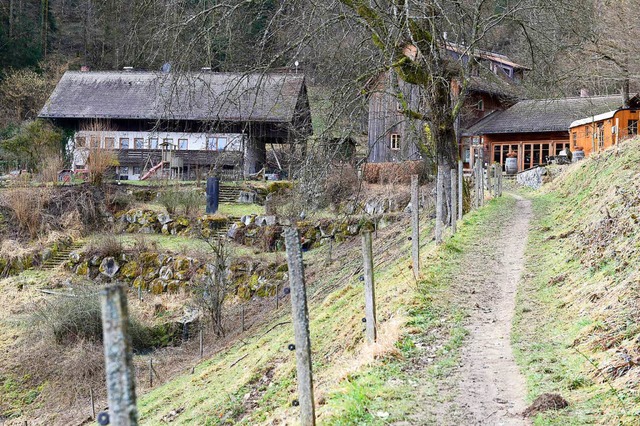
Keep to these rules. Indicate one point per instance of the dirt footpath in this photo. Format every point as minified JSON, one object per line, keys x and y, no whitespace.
{"x":486,"y":387}
{"x":491,"y":390}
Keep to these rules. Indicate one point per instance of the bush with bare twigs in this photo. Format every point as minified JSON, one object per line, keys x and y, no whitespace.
{"x":99,"y":161}
{"x":105,"y":245}
{"x":341,"y":184}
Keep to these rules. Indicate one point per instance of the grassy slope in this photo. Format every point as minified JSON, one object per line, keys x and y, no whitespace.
{"x":576,"y":324}
{"x":253,"y":382}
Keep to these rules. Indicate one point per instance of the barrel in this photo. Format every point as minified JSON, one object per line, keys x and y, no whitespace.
{"x":578,"y":155}
{"x":511,"y":165}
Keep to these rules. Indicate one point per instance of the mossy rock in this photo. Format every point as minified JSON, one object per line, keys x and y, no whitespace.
{"x":254,"y":282}
{"x":149,"y":258}
{"x":150,"y":273}
{"x":267,"y":290}
{"x":182,"y":275}
{"x":278,"y":186}
{"x":140,"y":282}
{"x":157,"y":286}
{"x":182,"y":221}
{"x":181,"y":263}
{"x":173,"y":286}
{"x":244,"y":292}
{"x":83,"y":269}
{"x":130,"y":270}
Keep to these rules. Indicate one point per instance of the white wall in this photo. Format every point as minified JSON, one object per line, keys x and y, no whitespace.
{"x":195,"y":141}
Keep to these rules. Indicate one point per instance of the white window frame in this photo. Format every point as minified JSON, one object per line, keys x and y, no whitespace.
{"x":394,"y":143}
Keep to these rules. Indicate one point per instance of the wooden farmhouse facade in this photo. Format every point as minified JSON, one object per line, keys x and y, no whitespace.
{"x":181,"y":124}
{"x":535,"y":129}
{"x":393,"y":137}
{"x":599,"y":132}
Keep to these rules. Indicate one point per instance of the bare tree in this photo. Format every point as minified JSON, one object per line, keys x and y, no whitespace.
{"x":212,"y":288}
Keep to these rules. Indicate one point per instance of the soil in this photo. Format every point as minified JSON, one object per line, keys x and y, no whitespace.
{"x":486,"y":387}
{"x":546,"y":401}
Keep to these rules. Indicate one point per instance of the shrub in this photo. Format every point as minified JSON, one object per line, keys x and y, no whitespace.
{"x":107,"y":245}
{"x":395,"y":173}
{"x":99,"y":161}
{"x":78,"y":318}
{"x":170,"y":199}
{"x":341,"y":184}
{"x":190,"y":201}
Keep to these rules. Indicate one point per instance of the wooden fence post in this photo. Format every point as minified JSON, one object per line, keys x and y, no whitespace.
{"x":454,"y":202}
{"x":490,"y":181}
{"x":201,"y":341}
{"x":415,"y":226}
{"x":300,"y":327}
{"x":93,"y":404}
{"x":150,"y":372}
{"x":121,"y":393}
{"x":369,"y":287}
{"x":460,"y":189}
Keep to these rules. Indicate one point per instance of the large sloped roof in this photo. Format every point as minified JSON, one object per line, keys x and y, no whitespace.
{"x":205,"y":96}
{"x":544,"y":115}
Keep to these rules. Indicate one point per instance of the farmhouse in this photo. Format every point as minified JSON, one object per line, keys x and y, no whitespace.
{"x":392,"y":136}
{"x":181,"y":124}
{"x":536,"y":129}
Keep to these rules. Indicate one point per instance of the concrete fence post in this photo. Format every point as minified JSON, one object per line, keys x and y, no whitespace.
{"x":300,"y":326}
{"x":415,"y":226}
{"x":440,"y":200}
{"x":121,"y":393}
{"x":454,"y":201}
{"x":369,"y":287}
{"x":460,"y":189}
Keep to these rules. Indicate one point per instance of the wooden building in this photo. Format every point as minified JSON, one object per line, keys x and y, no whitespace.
{"x":181,"y":123}
{"x":598,"y":132}
{"x":392,"y":136}
{"x":534,"y":129}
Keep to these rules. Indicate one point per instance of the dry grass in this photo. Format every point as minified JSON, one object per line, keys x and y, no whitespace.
{"x":50,"y":168}
{"x":27,"y":206}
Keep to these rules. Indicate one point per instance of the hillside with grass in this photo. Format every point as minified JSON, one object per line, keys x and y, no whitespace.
{"x":577,"y":327}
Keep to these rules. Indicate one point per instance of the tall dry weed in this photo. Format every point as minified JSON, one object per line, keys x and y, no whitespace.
{"x":27,"y":206}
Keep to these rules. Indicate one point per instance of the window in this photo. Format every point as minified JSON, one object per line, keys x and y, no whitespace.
{"x":124,"y":170}
{"x":95,"y":142}
{"x":124,"y":143}
{"x":136,"y":170}
{"x":109,"y":143}
{"x":81,"y":142}
{"x":168,"y":143}
{"x":222,"y":143}
{"x":574,"y":135}
{"x":183,"y":143}
{"x":138,"y":143}
{"x":632,"y":127}
{"x":212,"y":144}
{"x":395,"y":141}
{"x":480,"y":105}
{"x":153,"y":143}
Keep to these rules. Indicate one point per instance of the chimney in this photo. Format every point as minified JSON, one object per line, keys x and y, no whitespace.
{"x":85,"y":68}
{"x":584,"y":93}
